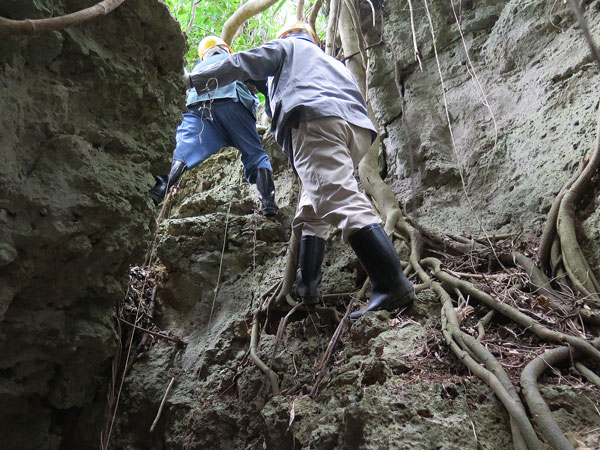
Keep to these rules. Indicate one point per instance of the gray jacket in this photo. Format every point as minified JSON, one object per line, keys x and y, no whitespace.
{"x":305,"y":84}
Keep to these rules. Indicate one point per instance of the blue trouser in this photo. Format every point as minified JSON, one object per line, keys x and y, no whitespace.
{"x":203,"y":132}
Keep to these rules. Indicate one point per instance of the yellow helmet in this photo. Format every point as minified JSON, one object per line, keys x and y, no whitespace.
{"x":298,"y":26}
{"x":209,"y":42}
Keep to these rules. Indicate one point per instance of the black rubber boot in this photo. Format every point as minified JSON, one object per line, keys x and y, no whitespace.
{"x":165,"y":182}
{"x":308,"y":277}
{"x":390,"y":289}
{"x":266,"y":189}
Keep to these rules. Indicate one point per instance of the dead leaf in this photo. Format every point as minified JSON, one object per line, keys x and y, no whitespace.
{"x":542,"y":300}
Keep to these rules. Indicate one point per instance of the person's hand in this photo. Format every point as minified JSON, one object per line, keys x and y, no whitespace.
{"x":187,"y":79}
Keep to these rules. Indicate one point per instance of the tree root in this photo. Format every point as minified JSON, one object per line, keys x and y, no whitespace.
{"x":332,"y":24}
{"x":549,"y":234}
{"x":448,"y":244}
{"x":523,"y":434}
{"x":271,"y":375}
{"x":590,"y":317}
{"x":467,"y":348}
{"x":556,"y":258}
{"x":291,"y":263}
{"x":540,"y":282}
{"x":457,"y":245}
{"x":541,"y":413}
{"x":576,"y":265}
{"x":512,"y":313}
{"x":589,"y":374}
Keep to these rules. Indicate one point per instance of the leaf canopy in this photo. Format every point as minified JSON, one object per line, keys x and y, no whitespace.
{"x":209,"y":16}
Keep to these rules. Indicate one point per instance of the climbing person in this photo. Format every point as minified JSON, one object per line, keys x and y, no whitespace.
{"x":222,"y":116}
{"x":320,"y":120}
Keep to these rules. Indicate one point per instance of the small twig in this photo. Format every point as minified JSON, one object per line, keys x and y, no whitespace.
{"x":332,"y":343}
{"x":346,"y":58}
{"x":414,"y":36}
{"x":281,"y":328}
{"x":221,"y":262}
{"x":162,"y":404}
{"x":192,"y":18}
{"x":485,"y":320}
{"x":337,"y":295}
{"x":480,"y":276}
{"x":178,"y":341}
{"x":152,"y":302}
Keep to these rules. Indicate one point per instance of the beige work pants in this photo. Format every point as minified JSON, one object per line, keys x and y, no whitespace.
{"x":326,"y":152}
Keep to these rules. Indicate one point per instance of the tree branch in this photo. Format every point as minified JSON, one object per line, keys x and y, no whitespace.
{"x":300,"y":10}
{"x":314,"y":13}
{"x":243,"y":13}
{"x":332,"y":23}
{"x":9,"y":27}
{"x":192,"y":18}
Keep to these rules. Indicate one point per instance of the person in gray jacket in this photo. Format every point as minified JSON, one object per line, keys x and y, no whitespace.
{"x":222,"y":117}
{"x":320,"y":120}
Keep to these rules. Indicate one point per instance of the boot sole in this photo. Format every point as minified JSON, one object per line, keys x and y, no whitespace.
{"x":310,"y":301}
{"x":403,"y":299}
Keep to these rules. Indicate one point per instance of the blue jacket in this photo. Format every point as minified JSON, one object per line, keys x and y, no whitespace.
{"x":237,"y":91}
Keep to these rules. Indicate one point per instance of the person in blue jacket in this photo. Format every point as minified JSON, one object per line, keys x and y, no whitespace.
{"x":224,"y":116}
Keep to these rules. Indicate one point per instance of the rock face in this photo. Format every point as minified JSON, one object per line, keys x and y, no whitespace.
{"x":519,"y":130}
{"x":86,"y":116}
{"x":520,"y":88}
{"x":522,"y":108}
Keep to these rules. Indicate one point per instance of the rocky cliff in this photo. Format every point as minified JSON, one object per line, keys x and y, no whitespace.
{"x":86,"y":114}
{"x":520,"y":88}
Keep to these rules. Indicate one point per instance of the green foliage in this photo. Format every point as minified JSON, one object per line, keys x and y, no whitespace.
{"x":210,"y":16}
